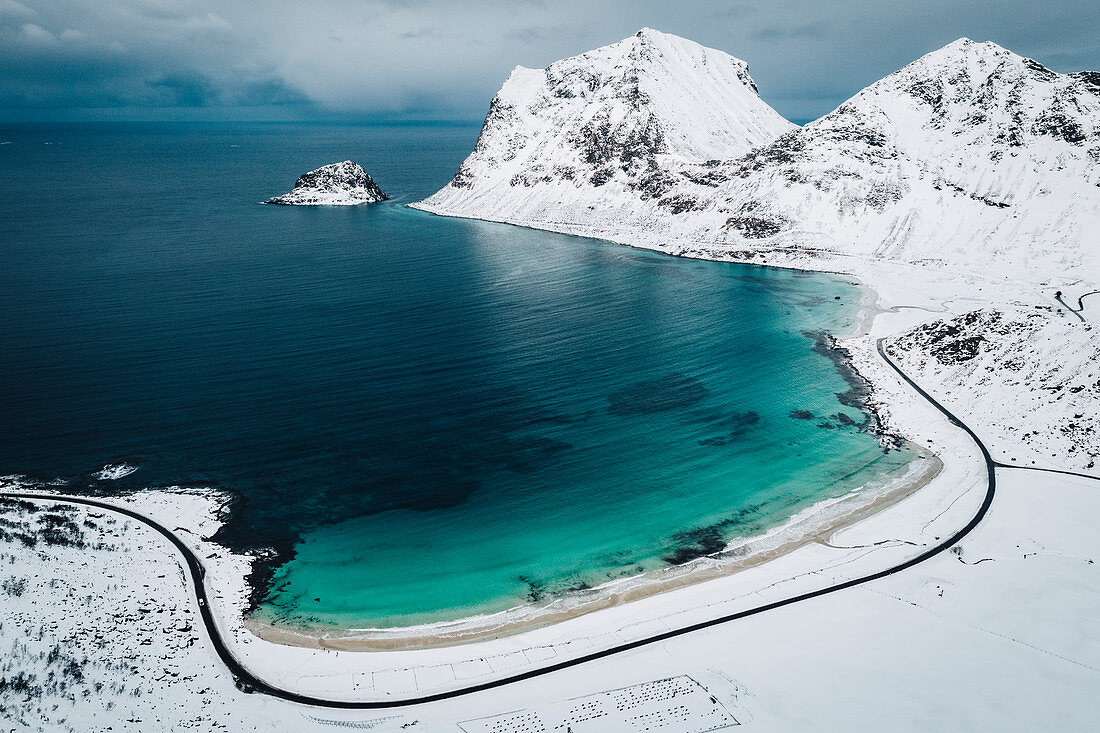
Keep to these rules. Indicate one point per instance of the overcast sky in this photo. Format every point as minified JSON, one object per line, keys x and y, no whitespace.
{"x":437,"y":59}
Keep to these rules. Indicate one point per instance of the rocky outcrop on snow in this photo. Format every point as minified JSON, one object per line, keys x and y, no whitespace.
{"x":970,"y":158}
{"x":1029,"y":382}
{"x":336,"y":184}
{"x":592,"y":140}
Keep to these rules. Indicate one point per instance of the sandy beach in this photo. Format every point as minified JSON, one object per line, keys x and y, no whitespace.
{"x":816,"y":524}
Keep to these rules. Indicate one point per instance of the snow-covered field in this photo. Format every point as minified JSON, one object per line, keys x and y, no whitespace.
{"x":961,"y":190}
{"x":100,"y":631}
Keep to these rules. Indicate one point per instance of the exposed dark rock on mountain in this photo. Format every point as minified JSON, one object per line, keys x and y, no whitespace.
{"x":971,"y":158}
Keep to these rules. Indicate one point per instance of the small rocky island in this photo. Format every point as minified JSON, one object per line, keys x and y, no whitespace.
{"x":336,"y":184}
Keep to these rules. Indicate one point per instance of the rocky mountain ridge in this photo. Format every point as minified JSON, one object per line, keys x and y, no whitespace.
{"x":603,"y":129}
{"x":970,"y":157}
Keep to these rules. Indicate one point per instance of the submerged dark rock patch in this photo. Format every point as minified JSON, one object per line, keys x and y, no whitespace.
{"x":670,"y":392}
{"x":859,"y":393}
{"x":708,"y":540}
{"x":697,"y":543}
{"x":536,"y":589}
{"x":740,"y":423}
{"x":841,"y":419}
{"x":802,"y":415}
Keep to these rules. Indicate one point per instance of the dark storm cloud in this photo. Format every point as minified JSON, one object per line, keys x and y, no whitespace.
{"x":775,"y":34}
{"x":66,"y":55}
{"x":431,"y":58}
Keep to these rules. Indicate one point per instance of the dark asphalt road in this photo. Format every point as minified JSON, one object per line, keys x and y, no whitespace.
{"x":1080,"y":305}
{"x":249,"y":682}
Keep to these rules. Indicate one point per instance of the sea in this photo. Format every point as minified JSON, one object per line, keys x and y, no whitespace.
{"x":425,"y":418}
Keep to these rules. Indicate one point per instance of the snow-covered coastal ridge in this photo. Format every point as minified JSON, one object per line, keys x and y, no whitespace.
{"x":1017,"y":363}
{"x":970,"y":157}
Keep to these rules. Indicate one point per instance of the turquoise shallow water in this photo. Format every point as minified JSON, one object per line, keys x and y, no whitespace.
{"x":428,"y":417}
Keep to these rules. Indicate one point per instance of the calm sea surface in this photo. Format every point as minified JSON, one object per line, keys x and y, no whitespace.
{"x":429,"y":417}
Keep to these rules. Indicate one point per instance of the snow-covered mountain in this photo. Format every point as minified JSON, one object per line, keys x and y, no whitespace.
{"x":335,"y":184}
{"x":593,"y":137}
{"x":970,"y":157}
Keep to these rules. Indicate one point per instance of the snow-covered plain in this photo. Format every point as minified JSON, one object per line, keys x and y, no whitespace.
{"x":100,"y":632}
{"x":904,"y":186}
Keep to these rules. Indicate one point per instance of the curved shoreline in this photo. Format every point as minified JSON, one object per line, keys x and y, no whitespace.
{"x":808,"y":525}
{"x":248,"y":682}
{"x":740,"y":555}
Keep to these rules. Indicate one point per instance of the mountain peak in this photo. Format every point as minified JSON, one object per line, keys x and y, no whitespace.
{"x":973,"y":79}
{"x":963,"y":49}
{"x":959,"y":43}
{"x":971,"y":157}
{"x":651,"y":36}
{"x":690,"y":101}
{"x":978,"y":56}
{"x":605,"y":126}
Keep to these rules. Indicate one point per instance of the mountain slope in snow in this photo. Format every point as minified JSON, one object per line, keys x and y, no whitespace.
{"x":600,"y":131}
{"x":971,"y":158}
{"x":1028,"y":381}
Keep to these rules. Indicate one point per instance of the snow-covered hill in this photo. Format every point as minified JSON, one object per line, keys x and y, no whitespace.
{"x":970,"y":158}
{"x":592,"y":138}
{"x":1029,"y":381}
{"x":335,"y":184}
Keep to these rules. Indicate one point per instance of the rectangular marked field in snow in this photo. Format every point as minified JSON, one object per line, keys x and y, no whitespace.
{"x":676,"y":704}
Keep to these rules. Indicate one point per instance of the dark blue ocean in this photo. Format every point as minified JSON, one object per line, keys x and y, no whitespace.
{"x":427,"y":417}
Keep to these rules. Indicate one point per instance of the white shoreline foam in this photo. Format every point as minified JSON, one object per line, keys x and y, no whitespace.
{"x":800,"y":527}
{"x":113,"y":472}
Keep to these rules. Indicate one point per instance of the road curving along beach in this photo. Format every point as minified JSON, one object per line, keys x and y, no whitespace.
{"x":252,"y":680}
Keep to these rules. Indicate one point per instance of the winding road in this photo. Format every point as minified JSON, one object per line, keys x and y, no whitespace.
{"x":249,"y":682}
{"x":1080,"y":303}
